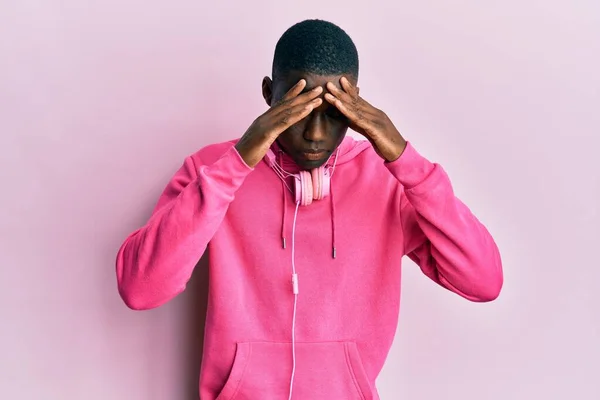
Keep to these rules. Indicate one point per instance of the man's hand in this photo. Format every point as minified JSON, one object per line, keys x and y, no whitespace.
{"x":367,"y":120}
{"x":292,"y":108}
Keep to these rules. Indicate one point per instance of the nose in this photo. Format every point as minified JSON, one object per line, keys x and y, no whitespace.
{"x":315,"y":130}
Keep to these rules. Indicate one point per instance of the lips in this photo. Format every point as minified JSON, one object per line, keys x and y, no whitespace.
{"x":313,"y":155}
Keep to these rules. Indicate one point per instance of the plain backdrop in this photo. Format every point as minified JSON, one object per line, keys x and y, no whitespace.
{"x":100,"y":101}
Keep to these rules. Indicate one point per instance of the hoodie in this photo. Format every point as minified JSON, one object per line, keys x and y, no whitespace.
{"x":304,"y":300}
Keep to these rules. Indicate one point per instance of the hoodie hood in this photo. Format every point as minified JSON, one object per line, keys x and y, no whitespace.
{"x":346,"y":152}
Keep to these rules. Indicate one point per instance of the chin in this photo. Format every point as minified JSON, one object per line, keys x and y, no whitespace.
{"x":308,"y":164}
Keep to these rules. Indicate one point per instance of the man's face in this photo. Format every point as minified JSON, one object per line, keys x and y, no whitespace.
{"x":311,"y":141}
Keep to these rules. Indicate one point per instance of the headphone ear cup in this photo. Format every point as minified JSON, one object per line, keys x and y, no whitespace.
{"x":317,"y":182}
{"x":321,"y":180}
{"x":326,"y":183}
{"x":303,"y":188}
{"x":307,"y":194}
{"x":298,"y":188}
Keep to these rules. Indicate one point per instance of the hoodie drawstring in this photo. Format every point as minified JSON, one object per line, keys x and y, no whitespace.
{"x":283,"y":219}
{"x":284,"y":186}
{"x":332,"y":204}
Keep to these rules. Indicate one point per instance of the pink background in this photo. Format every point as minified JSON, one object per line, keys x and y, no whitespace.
{"x":101,"y":100}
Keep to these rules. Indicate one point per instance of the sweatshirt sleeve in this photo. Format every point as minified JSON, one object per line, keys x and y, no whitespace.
{"x":155,"y":262}
{"x":441,"y":235}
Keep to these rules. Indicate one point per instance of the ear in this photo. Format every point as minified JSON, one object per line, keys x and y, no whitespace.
{"x":267,"y":90}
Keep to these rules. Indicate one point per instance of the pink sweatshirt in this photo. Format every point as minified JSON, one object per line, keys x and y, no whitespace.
{"x":332,"y":339}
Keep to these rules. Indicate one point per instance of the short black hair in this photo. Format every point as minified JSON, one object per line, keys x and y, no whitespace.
{"x":317,"y":47}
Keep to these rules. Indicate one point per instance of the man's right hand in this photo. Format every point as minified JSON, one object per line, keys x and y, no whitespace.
{"x":292,"y":108}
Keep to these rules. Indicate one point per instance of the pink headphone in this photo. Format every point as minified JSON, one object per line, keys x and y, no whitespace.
{"x":308,"y":186}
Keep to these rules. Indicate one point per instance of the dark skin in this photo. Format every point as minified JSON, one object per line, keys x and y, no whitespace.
{"x":322,"y":130}
{"x":311,"y":114}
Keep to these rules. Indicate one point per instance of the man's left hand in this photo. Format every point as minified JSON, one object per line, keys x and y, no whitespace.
{"x":367,"y":120}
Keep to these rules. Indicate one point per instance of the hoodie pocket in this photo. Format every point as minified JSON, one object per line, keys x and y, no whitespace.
{"x":324,"y":371}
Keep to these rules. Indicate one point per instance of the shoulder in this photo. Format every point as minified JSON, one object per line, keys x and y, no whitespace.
{"x":361,"y":154}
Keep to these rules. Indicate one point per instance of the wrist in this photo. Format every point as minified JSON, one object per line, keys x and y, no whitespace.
{"x":396,"y":149}
{"x":245,"y":154}
{"x":252,"y":147}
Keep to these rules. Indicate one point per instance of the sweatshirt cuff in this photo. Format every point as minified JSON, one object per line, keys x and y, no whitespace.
{"x":411,"y":168}
{"x":239,"y":162}
{"x":229,"y":170}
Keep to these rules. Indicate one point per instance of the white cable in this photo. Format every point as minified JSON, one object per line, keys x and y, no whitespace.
{"x":337,"y":153}
{"x":283,"y":174}
{"x":295,"y":291}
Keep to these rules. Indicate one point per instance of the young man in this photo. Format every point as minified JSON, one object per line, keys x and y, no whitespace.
{"x":306,"y":229}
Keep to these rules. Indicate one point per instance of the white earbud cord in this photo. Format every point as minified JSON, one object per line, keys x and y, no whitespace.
{"x":334,"y":162}
{"x":283,"y":175}
{"x":295,"y":291}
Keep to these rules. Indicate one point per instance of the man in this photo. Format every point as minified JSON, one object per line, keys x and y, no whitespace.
{"x":305,"y":229}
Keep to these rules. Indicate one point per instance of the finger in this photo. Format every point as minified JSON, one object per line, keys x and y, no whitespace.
{"x":355,"y":115}
{"x":339,"y":93}
{"x":308,"y":96}
{"x":352,"y":101}
{"x":294,"y":90}
{"x":304,"y":98}
{"x":292,"y":115}
{"x":341,"y":106}
{"x":348,"y":87}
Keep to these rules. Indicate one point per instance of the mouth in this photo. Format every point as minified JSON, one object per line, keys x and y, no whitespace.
{"x":313,"y":155}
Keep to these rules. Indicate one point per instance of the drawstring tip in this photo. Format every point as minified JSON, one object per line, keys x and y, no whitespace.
{"x":333,"y":252}
{"x":283,"y":242}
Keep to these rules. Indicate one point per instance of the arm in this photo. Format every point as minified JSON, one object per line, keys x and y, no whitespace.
{"x":442,"y":236}
{"x":156,"y":261}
